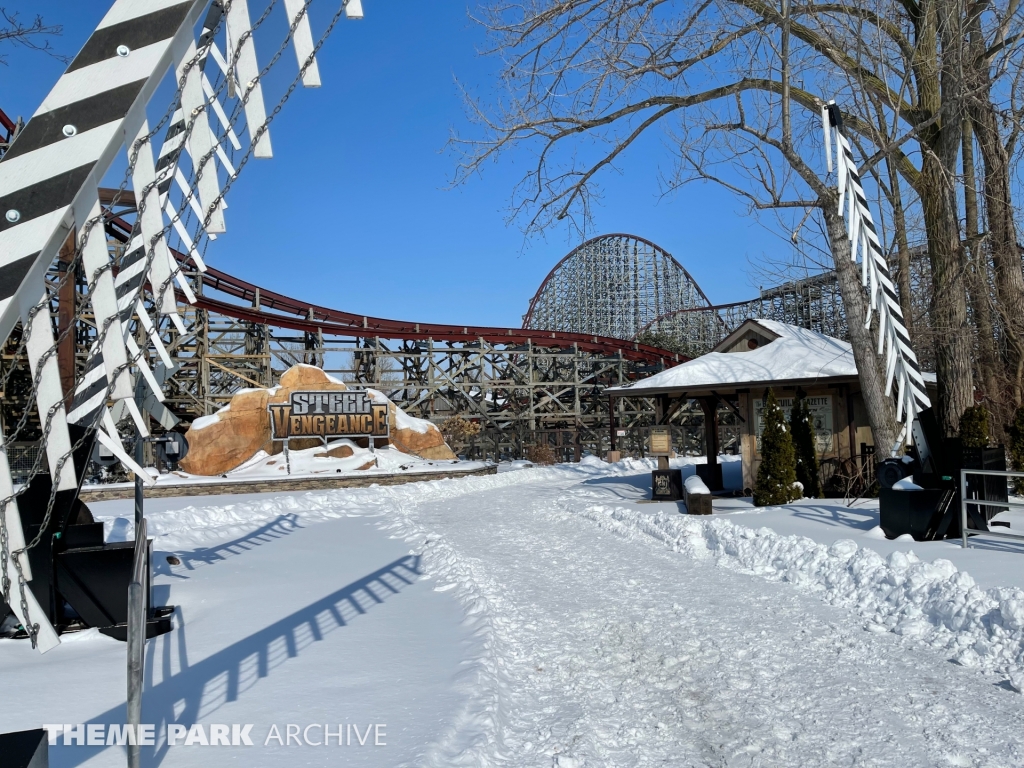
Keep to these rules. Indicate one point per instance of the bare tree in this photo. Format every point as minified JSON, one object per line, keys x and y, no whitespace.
{"x":35,"y":35}
{"x":991,"y":54}
{"x":979,"y":288}
{"x":733,"y":82}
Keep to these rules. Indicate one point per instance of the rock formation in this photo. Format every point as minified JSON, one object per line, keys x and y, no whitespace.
{"x":233,"y":435}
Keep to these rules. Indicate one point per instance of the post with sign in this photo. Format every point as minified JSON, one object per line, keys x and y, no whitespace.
{"x":614,"y":454}
{"x":329,"y":416}
{"x":666,"y":484}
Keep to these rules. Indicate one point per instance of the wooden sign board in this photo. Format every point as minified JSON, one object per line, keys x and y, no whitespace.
{"x":661,"y":441}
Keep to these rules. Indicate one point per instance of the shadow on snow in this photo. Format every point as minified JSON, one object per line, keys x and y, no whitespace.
{"x":197,"y":691}
{"x":277,"y":528}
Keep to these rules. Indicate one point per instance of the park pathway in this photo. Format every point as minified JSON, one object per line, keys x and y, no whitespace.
{"x":611,"y":651}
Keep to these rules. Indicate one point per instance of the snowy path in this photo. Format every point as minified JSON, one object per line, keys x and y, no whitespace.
{"x":619,"y":652}
{"x":559,"y":623}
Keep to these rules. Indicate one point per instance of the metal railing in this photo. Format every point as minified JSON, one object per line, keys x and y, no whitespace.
{"x":137,"y":605}
{"x":964,"y":501}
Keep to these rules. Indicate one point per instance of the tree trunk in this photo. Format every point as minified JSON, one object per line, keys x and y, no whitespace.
{"x":952,"y":334}
{"x":978,"y":282}
{"x":899,"y":219}
{"x":937,"y":77}
{"x":1002,"y":240}
{"x":880,"y":409}
{"x":1002,"y":236}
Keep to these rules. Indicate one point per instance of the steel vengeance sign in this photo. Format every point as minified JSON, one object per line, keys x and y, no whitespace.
{"x":327,"y":415}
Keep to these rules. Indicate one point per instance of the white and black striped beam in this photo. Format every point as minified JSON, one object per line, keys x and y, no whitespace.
{"x":69,"y":143}
{"x":901,"y":365}
{"x":54,"y":166}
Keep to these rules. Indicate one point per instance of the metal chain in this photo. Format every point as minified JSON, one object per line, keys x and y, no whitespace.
{"x":201,"y":238}
{"x":6,"y":555}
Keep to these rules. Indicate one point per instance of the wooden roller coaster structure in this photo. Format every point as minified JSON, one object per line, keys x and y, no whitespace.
{"x":542,"y":383}
{"x":523,"y":386}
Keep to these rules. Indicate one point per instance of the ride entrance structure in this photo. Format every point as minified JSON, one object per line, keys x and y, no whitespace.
{"x":737,"y":374}
{"x":109,"y":309}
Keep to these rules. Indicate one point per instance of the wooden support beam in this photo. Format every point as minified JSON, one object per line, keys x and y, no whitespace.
{"x":709,"y":404}
{"x":67,"y":305}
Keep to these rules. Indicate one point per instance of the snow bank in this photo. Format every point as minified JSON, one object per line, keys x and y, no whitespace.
{"x":933,"y":604}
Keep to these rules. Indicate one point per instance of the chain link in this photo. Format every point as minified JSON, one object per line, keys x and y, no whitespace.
{"x":200,"y":239}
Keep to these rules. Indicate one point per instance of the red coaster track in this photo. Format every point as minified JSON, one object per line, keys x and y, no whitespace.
{"x":275,"y":309}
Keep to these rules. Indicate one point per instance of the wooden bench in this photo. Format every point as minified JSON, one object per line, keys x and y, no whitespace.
{"x":696,"y":496}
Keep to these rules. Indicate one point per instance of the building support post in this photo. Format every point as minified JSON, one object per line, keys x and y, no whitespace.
{"x":714,"y":472}
{"x":661,"y":417}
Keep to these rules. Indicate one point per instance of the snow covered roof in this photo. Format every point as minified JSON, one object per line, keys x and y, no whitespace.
{"x":794,"y":354}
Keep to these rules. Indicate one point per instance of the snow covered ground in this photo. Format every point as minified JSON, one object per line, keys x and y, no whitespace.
{"x":547,"y":617}
{"x":311,"y":462}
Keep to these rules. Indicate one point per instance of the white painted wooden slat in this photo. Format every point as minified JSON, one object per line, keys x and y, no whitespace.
{"x":126,"y":10}
{"x":840,"y":173}
{"x":96,"y":262}
{"x":26,"y":238}
{"x":46,"y":639}
{"x":200,"y":143}
{"x":190,"y":295}
{"x":303,"y":42}
{"x":108,"y":435}
{"x":140,"y":420}
{"x":39,"y":344}
{"x":115,"y":447}
{"x":151,"y":331}
{"x":186,"y":240}
{"x":177,"y":321}
{"x":54,"y":159}
{"x":188,"y":194}
{"x":143,"y":367}
{"x":11,"y":518}
{"x":103,"y":76}
{"x":248,"y":74}
{"x":218,"y":110}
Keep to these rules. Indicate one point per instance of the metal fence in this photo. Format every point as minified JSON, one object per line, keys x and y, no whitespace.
{"x":982,"y":503}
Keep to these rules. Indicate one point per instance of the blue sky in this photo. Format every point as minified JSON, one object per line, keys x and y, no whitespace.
{"x":354,"y":211}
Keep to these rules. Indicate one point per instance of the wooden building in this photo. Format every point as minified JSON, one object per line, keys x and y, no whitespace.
{"x":761,"y":355}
